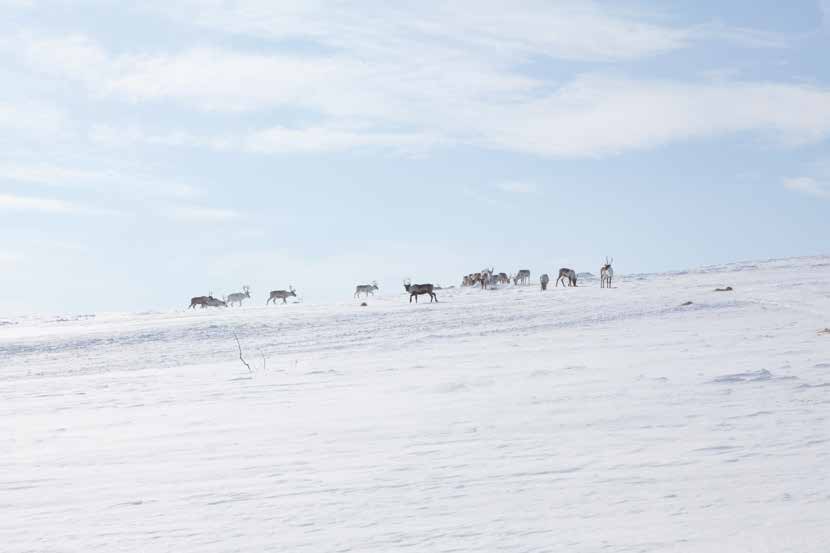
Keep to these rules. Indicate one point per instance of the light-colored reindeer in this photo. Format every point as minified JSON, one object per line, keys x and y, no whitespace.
{"x":486,"y":277}
{"x":606,"y":274}
{"x":366,"y":289}
{"x":238,"y":297}
{"x":522,"y":277}
{"x":281,"y":295}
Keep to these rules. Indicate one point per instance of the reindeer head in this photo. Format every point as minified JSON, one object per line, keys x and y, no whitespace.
{"x":608,"y":263}
{"x":247,"y":290}
{"x":407,"y":283}
{"x":375,"y":285}
{"x":292,"y":291}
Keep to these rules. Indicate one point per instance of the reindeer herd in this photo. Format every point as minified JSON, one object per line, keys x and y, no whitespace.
{"x":486,"y":278}
{"x":239,"y":297}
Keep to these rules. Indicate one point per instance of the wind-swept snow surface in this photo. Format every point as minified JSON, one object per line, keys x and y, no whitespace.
{"x":574,"y":420}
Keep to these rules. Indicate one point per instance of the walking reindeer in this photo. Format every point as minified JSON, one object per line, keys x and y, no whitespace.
{"x":281,"y":295}
{"x":568,"y":274}
{"x":238,"y":297}
{"x":606,"y":274}
{"x":366,"y":289}
{"x":415,"y":290}
{"x":544,"y":280}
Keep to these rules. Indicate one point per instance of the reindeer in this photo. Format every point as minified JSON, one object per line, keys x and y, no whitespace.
{"x":486,"y":277}
{"x":544,"y":280}
{"x":415,"y":290}
{"x":237,"y":297}
{"x":215,"y":302}
{"x":281,"y":295}
{"x":366,"y":289}
{"x":522,"y":277}
{"x":201,"y":301}
{"x":606,"y":274}
{"x":502,"y":278}
{"x":206,"y":301}
{"x":568,"y":274}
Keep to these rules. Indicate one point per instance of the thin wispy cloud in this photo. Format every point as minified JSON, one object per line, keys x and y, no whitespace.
{"x":25,"y":118}
{"x":9,"y":258}
{"x":199,"y":214}
{"x":809,"y":186}
{"x":591,"y":116}
{"x":568,"y":30}
{"x":517,"y":187}
{"x":10,"y":202}
{"x":432,"y":79}
{"x":96,"y":179}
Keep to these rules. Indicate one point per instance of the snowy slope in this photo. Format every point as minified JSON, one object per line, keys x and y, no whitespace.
{"x":508,"y":420}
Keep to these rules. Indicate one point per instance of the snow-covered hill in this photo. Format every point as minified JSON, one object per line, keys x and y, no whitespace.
{"x":509,"y":420}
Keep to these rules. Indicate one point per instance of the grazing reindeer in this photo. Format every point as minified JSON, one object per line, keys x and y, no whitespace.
{"x":281,"y":295}
{"x":415,"y":290}
{"x":568,"y":274}
{"x":215,"y":302}
{"x":239,"y":296}
{"x":366,"y":289}
{"x":502,"y":278}
{"x":606,"y":274}
{"x":206,"y":301}
{"x":522,"y":277}
{"x":544,"y":280}
{"x":201,"y":301}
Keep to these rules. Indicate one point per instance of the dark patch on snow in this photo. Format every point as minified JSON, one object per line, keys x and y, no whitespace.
{"x":762,"y":375}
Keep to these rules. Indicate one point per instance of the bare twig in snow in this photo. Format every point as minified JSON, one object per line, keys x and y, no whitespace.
{"x":238,"y":345}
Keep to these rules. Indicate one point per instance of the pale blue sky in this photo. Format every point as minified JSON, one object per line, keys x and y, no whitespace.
{"x":155,"y":153}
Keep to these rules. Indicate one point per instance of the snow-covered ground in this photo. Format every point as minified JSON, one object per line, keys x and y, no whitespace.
{"x":510,"y":420}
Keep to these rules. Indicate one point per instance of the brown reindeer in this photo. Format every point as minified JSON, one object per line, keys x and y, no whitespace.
{"x":281,"y":295}
{"x":206,"y":301}
{"x":416,"y":290}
